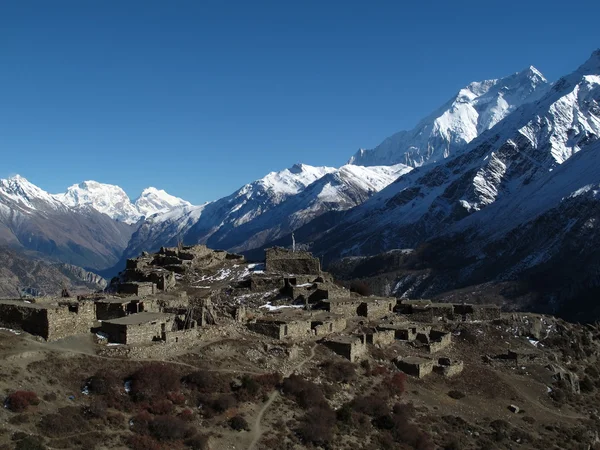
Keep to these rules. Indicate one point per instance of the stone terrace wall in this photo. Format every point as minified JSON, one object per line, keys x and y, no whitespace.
{"x":29,"y":318}
{"x":300,"y":262}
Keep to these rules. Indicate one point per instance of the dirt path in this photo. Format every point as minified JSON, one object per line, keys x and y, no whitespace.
{"x":257,"y":431}
{"x":529,"y":397}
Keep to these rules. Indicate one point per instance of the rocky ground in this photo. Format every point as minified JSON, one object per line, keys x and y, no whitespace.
{"x":235,"y":389}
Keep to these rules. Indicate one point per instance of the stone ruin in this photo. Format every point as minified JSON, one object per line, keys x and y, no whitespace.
{"x":286,"y":261}
{"x":428,"y":311}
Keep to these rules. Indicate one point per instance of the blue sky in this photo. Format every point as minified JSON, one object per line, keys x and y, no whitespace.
{"x":200,"y":97}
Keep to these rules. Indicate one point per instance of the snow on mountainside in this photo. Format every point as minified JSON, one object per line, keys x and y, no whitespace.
{"x":266,"y":208}
{"x":32,"y":219}
{"x":518,"y":151}
{"x":157,"y":201}
{"x":114,"y":202}
{"x":475,"y":109}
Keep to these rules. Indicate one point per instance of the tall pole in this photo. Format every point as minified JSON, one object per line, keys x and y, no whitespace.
{"x":293,"y":242}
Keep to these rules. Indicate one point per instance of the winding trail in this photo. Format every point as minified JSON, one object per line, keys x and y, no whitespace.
{"x":257,"y":432}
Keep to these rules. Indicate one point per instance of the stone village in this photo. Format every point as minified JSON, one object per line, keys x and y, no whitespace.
{"x":156,"y":305}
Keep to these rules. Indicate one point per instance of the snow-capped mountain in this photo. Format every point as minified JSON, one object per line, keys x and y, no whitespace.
{"x":473,"y":110}
{"x":530,"y":142}
{"x":265,"y":209}
{"x":115,"y":203}
{"x":33,"y":220}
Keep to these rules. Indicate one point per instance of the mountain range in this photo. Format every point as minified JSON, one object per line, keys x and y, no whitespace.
{"x":501,"y":180}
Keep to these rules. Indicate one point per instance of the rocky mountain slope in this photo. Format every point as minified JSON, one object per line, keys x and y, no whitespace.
{"x":473,"y":110}
{"x":265,"y":209}
{"x":33,"y":220}
{"x":22,"y":274}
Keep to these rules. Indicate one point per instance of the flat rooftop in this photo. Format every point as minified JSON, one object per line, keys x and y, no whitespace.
{"x":140,"y":318}
{"x":27,"y":304}
{"x":359,"y":300}
{"x":417,"y":360}
{"x":344,"y":339}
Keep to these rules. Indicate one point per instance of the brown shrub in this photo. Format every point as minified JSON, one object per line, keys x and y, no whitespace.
{"x":198,"y":442}
{"x":96,"y":410}
{"x":317,"y":425}
{"x":396,"y":384}
{"x":154,"y":381}
{"x":176,"y":397}
{"x":30,"y":443}
{"x":238,"y":423}
{"x":269,"y":380}
{"x":169,"y":428}
{"x":140,"y":442}
{"x":141,"y":422}
{"x":161,"y":407}
{"x":207,"y":382}
{"x":341,"y":372}
{"x":19,"y":401}
{"x":224,"y":402}
{"x":50,"y":397}
{"x":457,"y":395}
{"x":67,"y":420}
{"x":306,"y":393}
{"x":378,"y":371}
{"x":371,"y":405}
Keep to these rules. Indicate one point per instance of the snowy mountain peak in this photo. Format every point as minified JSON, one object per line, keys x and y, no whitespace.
{"x":474,"y":109}
{"x":21,"y":191}
{"x":289,"y":181}
{"x":115,"y":203}
{"x":153,"y":201}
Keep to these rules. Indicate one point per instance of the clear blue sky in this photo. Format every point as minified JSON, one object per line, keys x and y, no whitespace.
{"x":199,"y":97}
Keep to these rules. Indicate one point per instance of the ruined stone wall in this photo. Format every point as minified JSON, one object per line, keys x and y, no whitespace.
{"x":347,"y":309}
{"x":285,"y":261}
{"x":448,"y":367}
{"x":416,"y":367}
{"x":137,"y":288}
{"x":267,"y":328}
{"x":30,"y":319}
{"x":181,"y":337}
{"x":133,"y":334}
{"x":382,"y":338}
{"x":329,"y":325}
{"x":352,"y":351}
{"x":295,"y":330}
{"x":379,"y":308}
{"x":107,"y":311}
{"x":486,"y":312}
{"x":438,"y":341}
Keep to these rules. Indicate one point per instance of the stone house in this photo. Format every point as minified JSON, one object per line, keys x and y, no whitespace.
{"x":51,"y":321}
{"x":382,"y":338}
{"x":415,"y":366}
{"x":113,"y":308}
{"x":286,"y":261}
{"x":138,"y":328}
{"x":448,"y":367}
{"x":370,"y":307}
{"x":350,"y":347}
{"x":405,"y":331}
{"x":435,"y":341}
{"x":324,"y":323}
{"x":137,"y":288}
{"x":283,"y":325}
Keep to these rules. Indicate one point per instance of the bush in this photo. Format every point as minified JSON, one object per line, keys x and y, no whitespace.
{"x":317,"y":425}
{"x":586,"y":384}
{"x":64,"y":422}
{"x":341,"y":372}
{"x":457,"y":395}
{"x":269,"y":381}
{"x":31,"y":443}
{"x":395,"y":384}
{"x":198,"y":442}
{"x":379,"y":370}
{"x":19,"y":401}
{"x":207,"y":382}
{"x":96,"y":410}
{"x":224,"y":402}
{"x":238,"y":423}
{"x":138,"y":442}
{"x":371,"y":405}
{"x":161,"y":407}
{"x":306,"y":393}
{"x":168,"y":428}
{"x":141,"y":422}
{"x":50,"y":397}
{"x":187,"y":415}
{"x":154,"y":381}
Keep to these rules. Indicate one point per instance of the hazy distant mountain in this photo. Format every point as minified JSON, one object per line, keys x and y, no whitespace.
{"x":473,"y":110}
{"x":265,"y":209}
